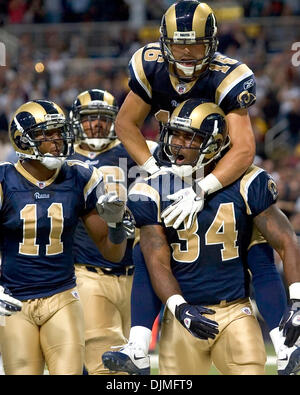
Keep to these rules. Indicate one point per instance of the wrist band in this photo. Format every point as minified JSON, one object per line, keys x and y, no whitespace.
{"x":294,"y":291}
{"x":210,"y":184}
{"x":173,"y":301}
{"x":117,"y":233}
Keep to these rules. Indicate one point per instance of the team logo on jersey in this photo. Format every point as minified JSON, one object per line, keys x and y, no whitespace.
{"x":38,"y":195}
{"x":92,"y":162}
{"x":181,"y":88}
{"x":273,"y":188}
{"x":245,"y":99}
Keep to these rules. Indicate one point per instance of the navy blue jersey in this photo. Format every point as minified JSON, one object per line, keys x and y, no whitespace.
{"x":209,"y":260}
{"x":119,"y":171}
{"x":228,"y":83}
{"x":38,"y":220}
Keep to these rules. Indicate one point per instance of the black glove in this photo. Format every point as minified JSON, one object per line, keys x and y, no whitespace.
{"x":8,"y":304}
{"x":192,"y":319}
{"x":129,"y":224}
{"x":290,"y":323}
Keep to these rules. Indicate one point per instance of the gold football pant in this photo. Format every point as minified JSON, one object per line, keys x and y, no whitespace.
{"x":47,"y":330}
{"x":106,"y":305}
{"x":238,"y":348}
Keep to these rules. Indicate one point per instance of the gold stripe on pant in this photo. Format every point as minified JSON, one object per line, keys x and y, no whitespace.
{"x":47,"y":330}
{"x":238,"y":349}
{"x":106,"y":305}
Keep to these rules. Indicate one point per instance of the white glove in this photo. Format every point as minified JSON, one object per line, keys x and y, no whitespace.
{"x":8,"y":304}
{"x":187,"y":204}
{"x":150,"y":166}
{"x":111,"y":208}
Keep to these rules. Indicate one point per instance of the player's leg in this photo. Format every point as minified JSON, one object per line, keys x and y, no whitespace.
{"x":239,"y":348}
{"x":180,"y":353}
{"x":145,"y":306}
{"x":106,"y":305}
{"x":21,"y":351}
{"x":62,"y":333}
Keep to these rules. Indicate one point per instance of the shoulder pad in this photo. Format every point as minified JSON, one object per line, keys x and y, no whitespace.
{"x":142,"y":66}
{"x":245,"y":182}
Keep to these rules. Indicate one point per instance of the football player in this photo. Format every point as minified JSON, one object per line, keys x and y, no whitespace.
{"x":42,"y":197}
{"x":185,"y":64}
{"x":192,"y":121}
{"x":104,"y":286}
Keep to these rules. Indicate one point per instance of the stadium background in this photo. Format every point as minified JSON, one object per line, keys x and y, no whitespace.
{"x":58,"y":48}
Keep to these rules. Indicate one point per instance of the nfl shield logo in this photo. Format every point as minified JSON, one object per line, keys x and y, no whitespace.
{"x":181,"y":88}
{"x":41,"y":184}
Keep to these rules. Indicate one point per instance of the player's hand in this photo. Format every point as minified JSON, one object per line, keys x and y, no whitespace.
{"x":111,"y":208}
{"x":186,"y":204}
{"x":192,"y":318}
{"x":8,"y":304}
{"x":290,"y":323}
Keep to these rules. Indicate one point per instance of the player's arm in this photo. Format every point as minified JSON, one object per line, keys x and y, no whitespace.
{"x":111,"y":242}
{"x":129,"y":121}
{"x":241,"y":154}
{"x":156,"y":252}
{"x":276,"y":228}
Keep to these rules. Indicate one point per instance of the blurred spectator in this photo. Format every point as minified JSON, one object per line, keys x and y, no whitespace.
{"x":16,"y":11}
{"x":53,"y":11}
{"x":253,"y":8}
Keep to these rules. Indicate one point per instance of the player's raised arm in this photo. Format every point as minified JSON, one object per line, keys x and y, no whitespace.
{"x":242,"y":151}
{"x":130,"y":119}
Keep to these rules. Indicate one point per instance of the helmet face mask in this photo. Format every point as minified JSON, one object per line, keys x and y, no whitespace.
{"x":38,"y":122}
{"x":93,"y":115}
{"x":194,"y":136}
{"x":190,"y":24}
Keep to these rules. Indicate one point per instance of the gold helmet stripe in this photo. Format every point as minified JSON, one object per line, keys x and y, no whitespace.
{"x":199,"y":113}
{"x":200,"y":18}
{"x":137,"y":65}
{"x":108,"y":98}
{"x":170,"y":20}
{"x":202,"y":111}
{"x":232,"y":79}
{"x":84,"y":98}
{"x":35,"y":109}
